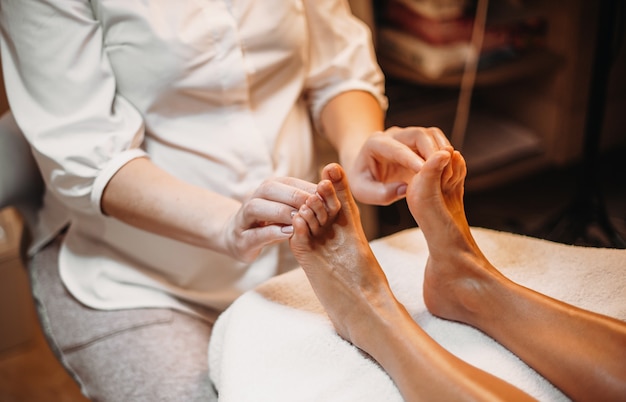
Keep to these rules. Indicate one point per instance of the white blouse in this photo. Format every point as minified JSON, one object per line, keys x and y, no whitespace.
{"x":222,"y":94}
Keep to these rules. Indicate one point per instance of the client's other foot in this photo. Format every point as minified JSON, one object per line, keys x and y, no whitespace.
{"x":456,"y":269}
{"x":339,"y":262}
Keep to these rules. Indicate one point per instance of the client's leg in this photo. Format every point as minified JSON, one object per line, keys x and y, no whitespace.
{"x":354,"y":290}
{"x":336,"y":256}
{"x":582,"y":353}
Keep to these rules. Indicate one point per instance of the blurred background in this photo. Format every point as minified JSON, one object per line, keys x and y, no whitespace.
{"x":544,"y":130}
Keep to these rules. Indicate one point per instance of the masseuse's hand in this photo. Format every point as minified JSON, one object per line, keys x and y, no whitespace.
{"x":378,"y":166}
{"x":145,"y":196}
{"x":388,"y":160}
{"x":265,"y":217}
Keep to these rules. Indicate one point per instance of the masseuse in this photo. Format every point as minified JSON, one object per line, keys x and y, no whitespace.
{"x":175,"y":141}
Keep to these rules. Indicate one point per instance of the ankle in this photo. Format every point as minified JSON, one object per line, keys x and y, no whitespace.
{"x":380,"y":314}
{"x":460,"y":287}
{"x":482,"y":295}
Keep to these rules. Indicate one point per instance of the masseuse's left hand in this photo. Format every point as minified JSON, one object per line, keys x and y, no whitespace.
{"x":389,"y":159}
{"x":379,"y":166}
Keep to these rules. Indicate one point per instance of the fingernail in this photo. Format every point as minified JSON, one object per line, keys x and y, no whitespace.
{"x":401,"y":190}
{"x":287,"y":229}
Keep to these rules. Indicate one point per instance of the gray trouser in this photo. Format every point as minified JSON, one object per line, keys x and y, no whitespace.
{"x":122,"y":355}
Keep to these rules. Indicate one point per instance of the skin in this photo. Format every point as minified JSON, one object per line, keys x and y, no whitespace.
{"x":460,"y":285}
{"x":380,"y":162}
{"x":464,"y":286}
{"x":143,"y":195}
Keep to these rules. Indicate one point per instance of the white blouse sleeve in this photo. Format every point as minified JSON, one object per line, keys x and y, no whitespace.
{"x":342,"y":55}
{"x":62,"y":92}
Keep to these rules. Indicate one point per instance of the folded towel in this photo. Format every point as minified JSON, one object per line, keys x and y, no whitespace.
{"x":276,"y":343}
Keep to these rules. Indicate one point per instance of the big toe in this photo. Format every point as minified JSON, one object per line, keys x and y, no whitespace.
{"x":337,"y":176}
{"x":428,"y":181}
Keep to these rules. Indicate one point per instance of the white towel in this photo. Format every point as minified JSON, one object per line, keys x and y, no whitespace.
{"x":276,"y":343}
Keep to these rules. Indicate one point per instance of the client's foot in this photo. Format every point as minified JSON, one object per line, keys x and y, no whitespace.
{"x":456,"y":269}
{"x":338,"y":260}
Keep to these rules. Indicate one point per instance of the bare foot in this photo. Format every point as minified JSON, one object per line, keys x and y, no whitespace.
{"x":456,"y":267}
{"x":321,"y":208}
{"x":338,"y":260}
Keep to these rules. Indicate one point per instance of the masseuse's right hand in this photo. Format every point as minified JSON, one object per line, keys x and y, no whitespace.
{"x":145,"y":196}
{"x":265,"y":217}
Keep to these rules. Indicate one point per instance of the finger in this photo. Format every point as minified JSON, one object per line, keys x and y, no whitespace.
{"x":298,"y":183}
{"x":408,"y":147}
{"x":388,"y":149}
{"x":288,"y":191}
{"x":378,"y":193}
{"x":266,"y":235}
{"x":421,"y":139}
{"x":430,"y":141}
{"x":253,"y":240}
{"x":440,"y":138}
{"x":260,"y":211}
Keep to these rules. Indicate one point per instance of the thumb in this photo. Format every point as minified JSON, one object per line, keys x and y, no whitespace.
{"x":377,"y":193}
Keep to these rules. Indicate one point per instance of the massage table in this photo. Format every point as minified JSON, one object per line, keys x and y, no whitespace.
{"x":275,"y":343}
